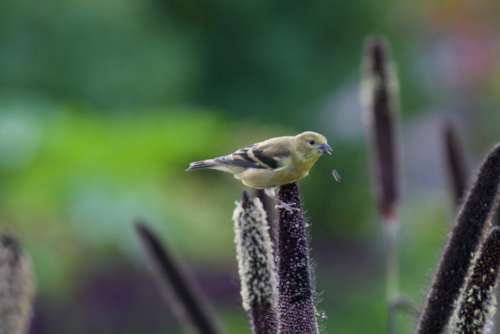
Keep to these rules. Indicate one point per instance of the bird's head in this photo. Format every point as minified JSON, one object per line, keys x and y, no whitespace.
{"x":312,"y":145}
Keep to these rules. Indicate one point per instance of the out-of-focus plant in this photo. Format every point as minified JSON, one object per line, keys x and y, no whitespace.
{"x":17,"y":287}
{"x":456,"y":166}
{"x":379,"y":93}
{"x":177,"y":287}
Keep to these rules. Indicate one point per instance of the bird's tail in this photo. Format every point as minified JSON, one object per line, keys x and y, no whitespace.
{"x":201,"y":165}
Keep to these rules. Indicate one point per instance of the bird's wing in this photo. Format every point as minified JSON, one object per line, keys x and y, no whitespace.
{"x":265,"y":155}
{"x":273,"y":153}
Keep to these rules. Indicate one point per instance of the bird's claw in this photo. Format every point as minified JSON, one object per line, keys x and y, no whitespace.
{"x":288,"y":207}
{"x":270,"y":192}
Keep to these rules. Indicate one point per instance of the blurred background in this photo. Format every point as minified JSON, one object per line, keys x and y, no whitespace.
{"x":104,"y":103}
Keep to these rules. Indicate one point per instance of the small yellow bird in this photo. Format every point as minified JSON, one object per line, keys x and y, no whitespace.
{"x":273,"y":162}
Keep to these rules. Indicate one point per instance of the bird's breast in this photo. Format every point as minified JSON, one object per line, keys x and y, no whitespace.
{"x":265,"y":178}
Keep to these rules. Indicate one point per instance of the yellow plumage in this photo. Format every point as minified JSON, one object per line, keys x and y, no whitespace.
{"x":273,"y":162}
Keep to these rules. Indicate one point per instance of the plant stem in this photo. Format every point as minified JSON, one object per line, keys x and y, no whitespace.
{"x":391,"y":236}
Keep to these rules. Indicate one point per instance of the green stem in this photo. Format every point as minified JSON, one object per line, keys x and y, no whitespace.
{"x":391,"y":238}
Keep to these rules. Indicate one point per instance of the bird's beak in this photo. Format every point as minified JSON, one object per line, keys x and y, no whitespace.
{"x":325,"y":148}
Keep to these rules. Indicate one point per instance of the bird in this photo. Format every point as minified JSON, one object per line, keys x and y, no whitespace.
{"x":273,"y":162}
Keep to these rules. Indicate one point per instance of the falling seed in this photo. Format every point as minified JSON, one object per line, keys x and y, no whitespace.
{"x":336,"y":175}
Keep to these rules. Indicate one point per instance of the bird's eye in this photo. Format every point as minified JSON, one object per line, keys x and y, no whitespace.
{"x":312,"y":142}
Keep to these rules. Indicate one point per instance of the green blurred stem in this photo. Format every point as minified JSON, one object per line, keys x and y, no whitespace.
{"x":391,"y":238}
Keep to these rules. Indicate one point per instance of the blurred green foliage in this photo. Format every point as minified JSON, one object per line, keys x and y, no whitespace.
{"x":248,"y":59}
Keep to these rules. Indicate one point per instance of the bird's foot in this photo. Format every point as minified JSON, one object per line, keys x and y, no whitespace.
{"x":288,"y":207}
{"x":270,"y":192}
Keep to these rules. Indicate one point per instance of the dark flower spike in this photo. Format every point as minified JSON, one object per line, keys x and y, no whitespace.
{"x":257,"y":271}
{"x":297,"y":312}
{"x":477,"y":305}
{"x":17,"y":287}
{"x":177,"y":287}
{"x":455,"y":163}
{"x":381,"y":101}
{"x":461,"y":247}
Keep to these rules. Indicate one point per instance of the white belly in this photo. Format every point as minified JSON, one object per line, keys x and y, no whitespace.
{"x":265,"y":178}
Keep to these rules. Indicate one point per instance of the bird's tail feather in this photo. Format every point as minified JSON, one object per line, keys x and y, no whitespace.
{"x":201,"y":165}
